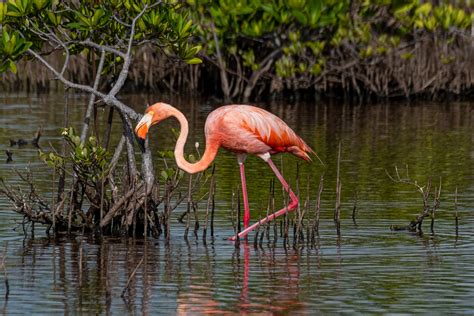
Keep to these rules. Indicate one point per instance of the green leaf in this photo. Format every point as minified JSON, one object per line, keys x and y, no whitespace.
{"x":185,"y":28}
{"x":40,"y":4}
{"x":74,"y":25}
{"x":3,"y":11}
{"x":406,"y":56}
{"x":170,"y":172}
{"x":75,"y":139}
{"x":404,"y":8}
{"x":97,"y":15}
{"x":424,"y":9}
{"x":5,"y":37}
{"x":196,"y":49}
{"x":300,"y":16}
{"x":194,"y":61}
{"x":54,"y":18}
{"x":328,"y":19}
{"x":296,"y":4}
{"x":12,"y":66}
{"x":84,"y":21}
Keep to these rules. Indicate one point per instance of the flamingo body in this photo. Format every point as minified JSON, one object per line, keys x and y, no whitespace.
{"x":242,"y":129}
{"x":246,"y":129}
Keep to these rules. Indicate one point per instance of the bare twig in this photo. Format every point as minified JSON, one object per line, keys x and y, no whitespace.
{"x":104,"y":48}
{"x":318,"y":208}
{"x":233,"y":215}
{"x":222,"y":67}
{"x":271,"y":202}
{"x":189,"y":204}
{"x":337,"y":210}
{"x":209,"y":201}
{"x":111,"y":213}
{"x":108,"y":99}
{"x":35,"y":140}
{"x":456,"y":218}
{"x":130,"y":278}
{"x":436,"y":204}
{"x":237,"y":238}
{"x":354,"y":210}
{"x":108,"y":130}
{"x":90,"y":106}
{"x":213,"y":206}
{"x":417,"y":223}
{"x":5,"y":274}
{"x":265,"y":66}
{"x":407,"y":180}
{"x":128,"y":56}
{"x":53,"y":215}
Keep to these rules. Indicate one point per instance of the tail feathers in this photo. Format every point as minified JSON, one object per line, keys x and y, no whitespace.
{"x":303,"y":153}
{"x":322,"y":163}
{"x":298,"y":152}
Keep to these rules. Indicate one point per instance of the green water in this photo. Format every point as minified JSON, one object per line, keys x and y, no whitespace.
{"x":368,"y":268}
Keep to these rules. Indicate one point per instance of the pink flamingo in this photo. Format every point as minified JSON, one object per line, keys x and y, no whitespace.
{"x":242,"y":129}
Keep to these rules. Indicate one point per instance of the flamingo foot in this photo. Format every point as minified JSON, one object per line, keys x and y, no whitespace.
{"x":291,"y":207}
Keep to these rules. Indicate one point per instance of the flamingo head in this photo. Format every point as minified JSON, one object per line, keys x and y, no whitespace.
{"x":153,"y":115}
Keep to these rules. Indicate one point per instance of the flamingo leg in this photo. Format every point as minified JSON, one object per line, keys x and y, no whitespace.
{"x":245,"y":196}
{"x":290,"y":207}
{"x":244,"y":192}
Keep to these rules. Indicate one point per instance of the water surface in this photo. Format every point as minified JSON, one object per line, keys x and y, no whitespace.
{"x":368,"y":268}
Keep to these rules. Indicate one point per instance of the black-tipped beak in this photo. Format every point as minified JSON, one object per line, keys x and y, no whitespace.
{"x":144,"y":125}
{"x":142,"y":129}
{"x":141,"y":143}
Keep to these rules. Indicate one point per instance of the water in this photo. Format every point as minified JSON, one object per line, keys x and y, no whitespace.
{"x":368,"y":268}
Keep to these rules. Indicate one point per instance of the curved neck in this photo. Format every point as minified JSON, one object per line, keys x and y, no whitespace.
{"x":207,"y":158}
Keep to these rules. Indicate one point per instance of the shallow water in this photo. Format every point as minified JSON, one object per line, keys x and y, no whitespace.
{"x":368,"y":268}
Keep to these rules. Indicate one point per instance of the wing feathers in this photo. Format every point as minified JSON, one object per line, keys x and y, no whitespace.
{"x":273,"y":131}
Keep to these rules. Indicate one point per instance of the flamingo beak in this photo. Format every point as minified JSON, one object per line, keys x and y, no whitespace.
{"x":142,"y":129}
{"x":144,"y":125}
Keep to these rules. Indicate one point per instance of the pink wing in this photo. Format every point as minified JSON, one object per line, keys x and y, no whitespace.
{"x":267,"y":128}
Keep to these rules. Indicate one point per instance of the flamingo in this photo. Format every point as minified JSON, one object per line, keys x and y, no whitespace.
{"x":242,"y":129}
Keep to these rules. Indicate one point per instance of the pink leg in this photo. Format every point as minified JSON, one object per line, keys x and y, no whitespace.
{"x":244,"y":194}
{"x":291,"y":206}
